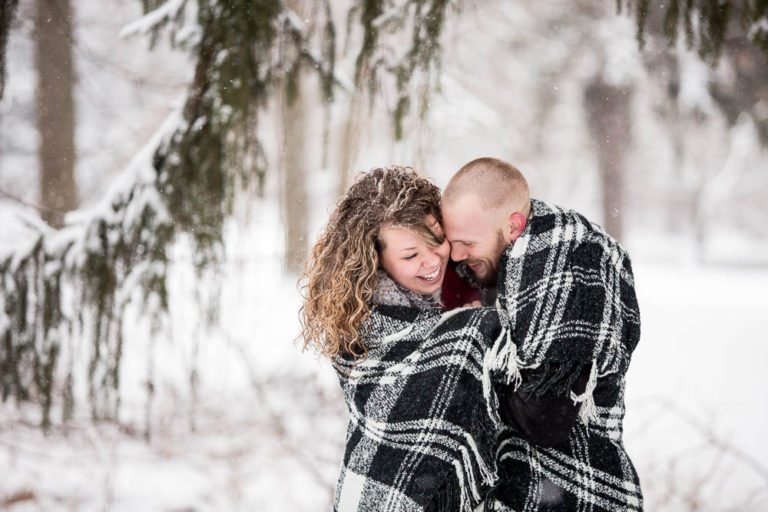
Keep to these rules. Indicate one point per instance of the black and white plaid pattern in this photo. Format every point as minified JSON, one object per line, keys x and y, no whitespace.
{"x":420,"y":436}
{"x":568,"y":293}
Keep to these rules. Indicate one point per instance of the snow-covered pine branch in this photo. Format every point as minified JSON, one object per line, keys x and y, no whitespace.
{"x":72,"y":286}
{"x":154,"y":18}
{"x":319,"y":60}
{"x":67,"y":292}
{"x":758,"y":32}
{"x":414,"y":69}
{"x":705,"y":25}
{"x":179,"y":17}
{"x":73,"y":281}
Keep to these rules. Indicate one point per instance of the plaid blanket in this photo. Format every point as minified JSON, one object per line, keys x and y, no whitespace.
{"x":421,"y":434}
{"x":566,"y":295}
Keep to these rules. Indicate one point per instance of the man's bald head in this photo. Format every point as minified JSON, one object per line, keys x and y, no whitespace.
{"x":498,"y":185}
{"x":485,"y":208}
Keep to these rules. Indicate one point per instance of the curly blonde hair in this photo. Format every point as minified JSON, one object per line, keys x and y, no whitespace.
{"x":341,"y":278}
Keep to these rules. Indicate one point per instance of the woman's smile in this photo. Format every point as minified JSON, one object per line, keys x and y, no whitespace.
{"x":432,"y":275}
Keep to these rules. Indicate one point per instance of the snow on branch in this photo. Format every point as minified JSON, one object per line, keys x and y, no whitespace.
{"x":63,"y":298}
{"x":416,"y":65}
{"x":296,"y":28}
{"x":758,"y":32}
{"x":395,"y":13}
{"x":153,"y":19}
{"x":73,"y":280}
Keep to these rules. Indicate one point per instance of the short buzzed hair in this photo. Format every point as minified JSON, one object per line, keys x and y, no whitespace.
{"x":496,"y":182}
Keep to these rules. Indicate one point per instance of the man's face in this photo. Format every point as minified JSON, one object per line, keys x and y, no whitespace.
{"x":476,"y":236}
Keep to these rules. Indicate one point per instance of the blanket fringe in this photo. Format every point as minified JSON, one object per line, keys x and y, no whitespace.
{"x":502,"y":357}
{"x":472,"y":464}
{"x":487,"y":476}
{"x":588,"y":410}
{"x":463,"y":493}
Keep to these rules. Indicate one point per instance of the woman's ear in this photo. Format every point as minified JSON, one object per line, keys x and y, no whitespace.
{"x":516,"y":222}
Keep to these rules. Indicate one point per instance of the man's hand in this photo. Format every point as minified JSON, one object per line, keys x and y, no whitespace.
{"x":473,"y":304}
{"x":544,"y":420}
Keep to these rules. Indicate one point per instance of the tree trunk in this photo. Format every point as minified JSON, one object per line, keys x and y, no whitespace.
{"x":350,"y":142}
{"x":55,"y":109}
{"x":7,"y":11}
{"x":609,"y":122}
{"x":294,"y":192}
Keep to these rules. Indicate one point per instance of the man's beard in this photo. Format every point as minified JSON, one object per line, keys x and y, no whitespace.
{"x":488,"y":280}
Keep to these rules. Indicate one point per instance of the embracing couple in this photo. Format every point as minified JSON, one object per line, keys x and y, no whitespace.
{"x":482,"y":340}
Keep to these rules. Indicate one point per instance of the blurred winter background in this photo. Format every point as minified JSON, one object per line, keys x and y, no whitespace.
{"x":193,"y":394}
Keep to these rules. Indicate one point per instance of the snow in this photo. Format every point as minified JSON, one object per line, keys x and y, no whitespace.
{"x":758,"y":28}
{"x":264,"y":419}
{"x":393,"y":13}
{"x":694,"y":81}
{"x":154,"y":18}
{"x":268,"y":418}
{"x":696,"y":380}
{"x":622,"y":62}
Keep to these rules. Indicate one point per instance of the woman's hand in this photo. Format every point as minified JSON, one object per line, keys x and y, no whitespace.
{"x":473,"y":304}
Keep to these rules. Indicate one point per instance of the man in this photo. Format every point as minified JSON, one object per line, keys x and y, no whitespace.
{"x":565,"y":291}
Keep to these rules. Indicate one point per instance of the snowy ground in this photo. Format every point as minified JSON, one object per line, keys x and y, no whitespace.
{"x":267,"y":420}
{"x":697,"y":413}
{"x":267,"y":429}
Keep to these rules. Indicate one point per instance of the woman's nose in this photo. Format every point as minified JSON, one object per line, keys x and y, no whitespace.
{"x":432,"y":259}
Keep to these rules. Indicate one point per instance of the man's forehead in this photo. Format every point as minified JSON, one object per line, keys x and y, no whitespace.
{"x":462,"y":205}
{"x":464,"y":220}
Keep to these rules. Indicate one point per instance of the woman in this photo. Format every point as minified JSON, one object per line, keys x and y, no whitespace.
{"x":422,"y":412}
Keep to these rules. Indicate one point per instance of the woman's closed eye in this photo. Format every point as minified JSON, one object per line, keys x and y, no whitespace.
{"x":411,"y":256}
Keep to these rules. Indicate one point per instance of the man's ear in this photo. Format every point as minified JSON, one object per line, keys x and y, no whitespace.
{"x":516,"y":224}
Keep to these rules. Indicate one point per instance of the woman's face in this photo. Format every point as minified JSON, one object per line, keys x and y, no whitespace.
{"x":411,"y":262}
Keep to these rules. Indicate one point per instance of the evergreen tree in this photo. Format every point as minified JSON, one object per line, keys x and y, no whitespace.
{"x":734,"y":30}
{"x":78,"y":282}
{"x":185,"y":182}
{"x":732,"y":38}
{"x":706,"y":24}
